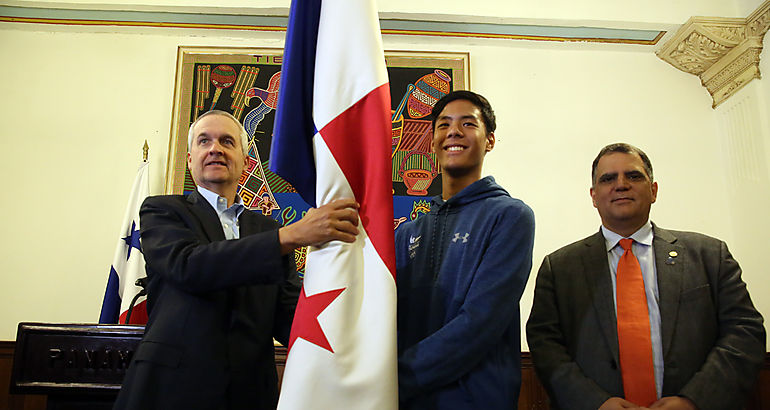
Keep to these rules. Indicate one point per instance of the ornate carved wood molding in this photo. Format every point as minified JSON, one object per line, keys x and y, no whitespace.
{"x":723,"y":52}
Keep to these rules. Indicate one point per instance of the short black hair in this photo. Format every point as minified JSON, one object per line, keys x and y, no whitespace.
{"x":487,"y":113}
{"x":623,"y":148}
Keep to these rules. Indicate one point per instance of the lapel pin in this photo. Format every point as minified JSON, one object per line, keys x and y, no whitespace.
{"x":671,"y":256}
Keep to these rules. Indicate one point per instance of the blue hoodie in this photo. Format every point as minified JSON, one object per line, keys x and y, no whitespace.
{"x":461,"y":270}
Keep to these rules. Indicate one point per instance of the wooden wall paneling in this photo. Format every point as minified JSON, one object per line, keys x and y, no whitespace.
{"x":532,"y":397}
{"x":14,"y":401}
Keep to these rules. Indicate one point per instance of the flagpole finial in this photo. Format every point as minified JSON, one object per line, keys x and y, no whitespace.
{"x":145,"y":151}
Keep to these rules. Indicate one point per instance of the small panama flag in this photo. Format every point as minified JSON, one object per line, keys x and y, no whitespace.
{"x":332,"y":140}
{"x":128,"y":262}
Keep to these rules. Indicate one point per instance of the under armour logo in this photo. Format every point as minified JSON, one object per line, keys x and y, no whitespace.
{"x":457,"y":236}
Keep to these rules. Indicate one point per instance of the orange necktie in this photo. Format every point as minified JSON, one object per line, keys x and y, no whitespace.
{"x":634,"y":343}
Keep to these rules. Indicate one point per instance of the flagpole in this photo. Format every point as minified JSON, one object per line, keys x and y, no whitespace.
{"x":145,"y":151}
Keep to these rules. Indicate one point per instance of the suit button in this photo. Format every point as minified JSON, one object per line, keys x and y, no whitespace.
{"x":613,"y":365}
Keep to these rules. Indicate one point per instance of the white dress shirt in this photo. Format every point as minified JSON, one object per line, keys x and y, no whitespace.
{"x":227,"y":216}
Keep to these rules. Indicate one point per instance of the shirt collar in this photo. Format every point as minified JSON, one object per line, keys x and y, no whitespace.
{"x":642,"y":236}
{"x":219,"y":203}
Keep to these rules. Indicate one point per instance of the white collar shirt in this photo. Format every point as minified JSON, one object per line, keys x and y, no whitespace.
{"x":228,"y":216}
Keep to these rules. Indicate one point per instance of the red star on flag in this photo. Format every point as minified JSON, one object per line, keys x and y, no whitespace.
{"x":306,"y":323}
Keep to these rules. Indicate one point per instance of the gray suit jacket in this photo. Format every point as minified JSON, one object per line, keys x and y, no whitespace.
{"x":713,"y":337}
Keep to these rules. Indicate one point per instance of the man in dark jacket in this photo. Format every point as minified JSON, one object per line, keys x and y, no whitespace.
{"x":461,"y":270}
{"x":221,"y":283}
{"x":674,"y":330}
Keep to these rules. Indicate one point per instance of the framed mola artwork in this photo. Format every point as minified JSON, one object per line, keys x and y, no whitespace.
{"x":245,"y":83}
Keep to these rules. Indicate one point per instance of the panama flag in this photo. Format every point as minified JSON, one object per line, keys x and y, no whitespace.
{"x":332,"y":140}
{"x":128,"y":262}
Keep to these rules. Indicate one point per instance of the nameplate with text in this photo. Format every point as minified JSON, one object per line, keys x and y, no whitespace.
{"x":70,"y":357}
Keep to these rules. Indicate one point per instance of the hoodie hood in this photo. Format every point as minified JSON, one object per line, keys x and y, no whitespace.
{"x":484,"y":188}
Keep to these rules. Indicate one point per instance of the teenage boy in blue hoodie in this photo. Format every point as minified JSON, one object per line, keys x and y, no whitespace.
{"x":461,"y":270}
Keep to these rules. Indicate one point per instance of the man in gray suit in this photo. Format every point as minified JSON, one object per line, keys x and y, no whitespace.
{"x":706,"y":337}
